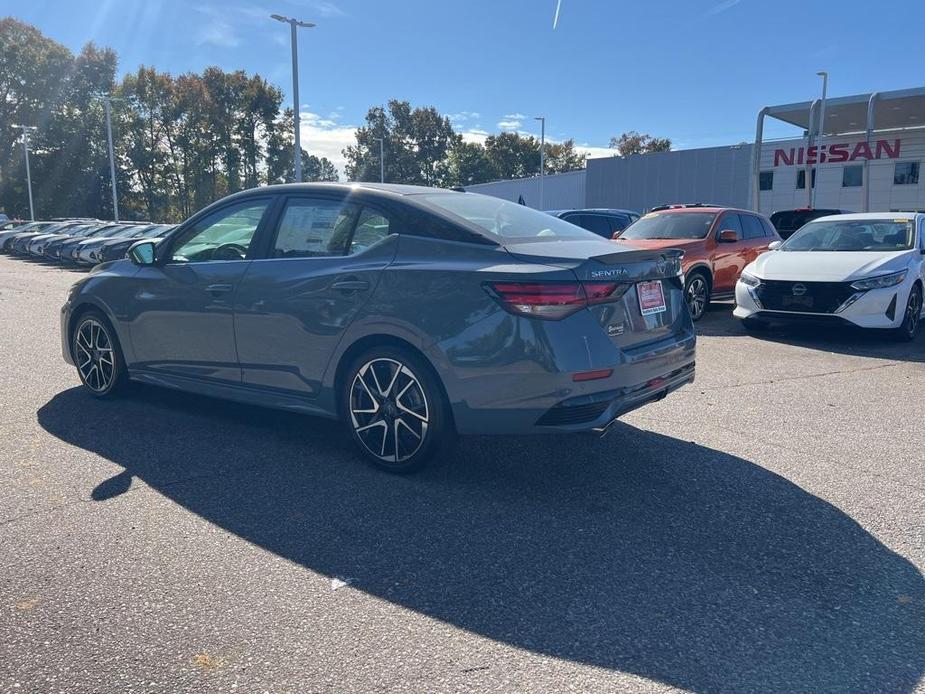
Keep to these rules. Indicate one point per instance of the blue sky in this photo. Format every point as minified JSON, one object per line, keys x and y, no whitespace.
{"x":696,"y":71}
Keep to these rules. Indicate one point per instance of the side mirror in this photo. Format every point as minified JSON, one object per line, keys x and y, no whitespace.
{"x":142,"y":253}
{"x":728,"y":236}
{"x":774,"y":245}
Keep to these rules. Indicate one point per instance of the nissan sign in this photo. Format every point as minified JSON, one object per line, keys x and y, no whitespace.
{"x":834,"y":154}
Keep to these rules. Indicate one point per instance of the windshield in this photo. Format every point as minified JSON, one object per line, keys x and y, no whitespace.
{"x":853,"y":235}
{"x":507,"y":221}
{"x":674,"y":225}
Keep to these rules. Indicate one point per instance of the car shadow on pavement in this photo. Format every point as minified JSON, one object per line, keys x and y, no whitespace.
{"x":719,"y":322}
{"x":637,"y":552}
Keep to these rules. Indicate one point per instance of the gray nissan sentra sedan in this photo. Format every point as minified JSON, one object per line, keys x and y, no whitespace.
{"x":409,"y":313}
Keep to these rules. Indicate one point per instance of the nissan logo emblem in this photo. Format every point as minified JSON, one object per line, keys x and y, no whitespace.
{"x":799,"y":289}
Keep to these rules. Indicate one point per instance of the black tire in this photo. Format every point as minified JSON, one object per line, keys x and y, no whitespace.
{"x":911,"y":317}
{"x":697,"y":294}
{"x":395,"y":409}
{"x":98,"y":355}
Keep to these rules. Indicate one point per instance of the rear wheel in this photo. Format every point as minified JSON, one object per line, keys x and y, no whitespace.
{"x":97,"y":355}
{"x":912,"y":317}
{"x":697,"y":294}
{"x":395,"y":408}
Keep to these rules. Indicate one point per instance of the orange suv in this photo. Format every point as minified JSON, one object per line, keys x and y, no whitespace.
{"x":718,"y":242}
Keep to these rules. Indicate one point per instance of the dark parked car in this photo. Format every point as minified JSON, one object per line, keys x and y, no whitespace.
{"x":409,"y":313}
{"x":27,"y":228}
{"x":18,"y":244}
{"x":115,"y":248}
{"x":788,"y":221}
{"x":605,"y":222}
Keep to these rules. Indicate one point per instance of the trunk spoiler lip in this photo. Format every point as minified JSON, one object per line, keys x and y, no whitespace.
{"x":638,"y":256}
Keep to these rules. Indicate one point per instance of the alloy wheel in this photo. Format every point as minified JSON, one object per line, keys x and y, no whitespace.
{"x":696,"y":296}
{"x":95,"y":356}
{"x":389,"y":410}
{"x":913,"y":312}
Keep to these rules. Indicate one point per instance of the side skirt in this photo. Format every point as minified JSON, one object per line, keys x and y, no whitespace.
{"x":230,"y":391}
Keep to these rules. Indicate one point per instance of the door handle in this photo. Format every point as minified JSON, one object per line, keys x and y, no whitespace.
{"x":219,"y":288}
{"x":351,"y":285}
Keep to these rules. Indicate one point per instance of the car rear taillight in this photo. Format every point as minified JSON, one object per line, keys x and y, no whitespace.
{"x":553,"y":300}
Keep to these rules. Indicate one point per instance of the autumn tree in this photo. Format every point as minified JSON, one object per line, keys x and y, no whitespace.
{"x":633,"y":142}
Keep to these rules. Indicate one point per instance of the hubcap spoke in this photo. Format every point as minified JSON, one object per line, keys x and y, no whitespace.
{"x":94,"y":354}
{"x":386,"y":395}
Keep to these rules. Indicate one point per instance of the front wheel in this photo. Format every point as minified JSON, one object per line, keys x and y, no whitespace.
{"x":96,"y":353}
{"x":395,"y":409}
{"x":911,"y":318}
{"x":697,"y":294}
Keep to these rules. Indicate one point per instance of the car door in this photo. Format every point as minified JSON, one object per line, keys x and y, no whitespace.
{"x":321,"y":267}
{"x":183,"y":321}
{"x":729,"y":258}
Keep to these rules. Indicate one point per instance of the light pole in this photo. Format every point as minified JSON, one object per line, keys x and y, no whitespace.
{"x":25,"y":147}
{"x":820,"y":131}
{"x":542,"y":120}
{"x":381,"y":159}
{"x":293,"y":25}
{"x":107,"y":102}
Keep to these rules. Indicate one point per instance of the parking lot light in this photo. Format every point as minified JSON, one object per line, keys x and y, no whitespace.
{"x":25,"y":146}
{"x":293,"y":25}
{"x":542,"y":120}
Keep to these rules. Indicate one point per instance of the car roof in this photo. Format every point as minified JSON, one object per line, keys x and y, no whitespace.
{"x":395,"y":188}
{"x":713,"y":209}
{"x":599,"y":210}
{"x":869,"y":215}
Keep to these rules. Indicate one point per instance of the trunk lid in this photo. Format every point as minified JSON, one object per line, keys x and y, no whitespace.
{"x":633,"y":320}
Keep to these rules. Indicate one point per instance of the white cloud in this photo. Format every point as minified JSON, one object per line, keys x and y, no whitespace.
{"x":515,"y":116}
{"x":509,"y":123}
{"x":463,"y":116}
{"x":323,"y":137}
{"x":475,"y":135}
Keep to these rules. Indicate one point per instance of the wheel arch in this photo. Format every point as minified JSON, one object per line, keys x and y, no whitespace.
{"x":82,"y":309}
{"x":703,"y":269}
{"x":369,"y":341}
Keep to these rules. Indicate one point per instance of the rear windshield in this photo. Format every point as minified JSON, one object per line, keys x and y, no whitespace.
{"x":673,"y":225}
{"x":506,"y":221}
{"x":794,"y":219}
{"x":853,"y":235}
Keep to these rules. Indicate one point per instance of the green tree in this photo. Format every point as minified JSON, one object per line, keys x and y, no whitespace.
{"x":417,"y":143}
{"x":513,"y":155}
{"x":468,"y":163}
{"x":562,"y":157}
{"x":633,"y":142}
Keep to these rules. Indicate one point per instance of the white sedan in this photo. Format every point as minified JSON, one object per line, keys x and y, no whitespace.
{"x":866,"y":270}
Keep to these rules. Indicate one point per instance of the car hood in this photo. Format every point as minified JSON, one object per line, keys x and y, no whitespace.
{"x":826,"y":266}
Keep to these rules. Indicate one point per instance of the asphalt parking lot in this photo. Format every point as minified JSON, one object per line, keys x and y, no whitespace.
{"x":761,"y":530}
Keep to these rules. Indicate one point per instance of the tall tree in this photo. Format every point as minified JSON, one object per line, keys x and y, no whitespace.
{"x":562,"y":157}
{"x":469,"y":163}
{"x":632,"y":142}
{"x":513,"y":155}
{"x":416,"y":141}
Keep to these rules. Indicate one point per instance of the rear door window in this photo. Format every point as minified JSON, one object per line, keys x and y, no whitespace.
{"x":752,"y":227}
{"x":372,"y":227}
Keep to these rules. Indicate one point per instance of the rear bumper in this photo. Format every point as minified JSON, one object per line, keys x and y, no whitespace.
{"x":642,"y":377}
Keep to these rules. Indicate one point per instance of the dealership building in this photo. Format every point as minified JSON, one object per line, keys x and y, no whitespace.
{"x":859,"y":153}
